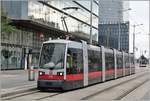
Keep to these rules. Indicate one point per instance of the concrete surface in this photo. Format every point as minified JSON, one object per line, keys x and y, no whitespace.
{"x":15,"y":81}
{"x":14,"y":78}
{"x":140,"y":93}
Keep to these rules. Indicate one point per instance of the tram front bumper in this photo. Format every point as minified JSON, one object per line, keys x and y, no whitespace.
{"x":52,"y":84}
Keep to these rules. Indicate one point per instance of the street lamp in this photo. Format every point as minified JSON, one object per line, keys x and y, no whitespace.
{"x":135,"y":48}
{"x":134,"y":39}
{"x":120,"y":26}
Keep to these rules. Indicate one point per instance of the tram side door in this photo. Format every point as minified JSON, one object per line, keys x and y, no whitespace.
{"x":85,"y":63}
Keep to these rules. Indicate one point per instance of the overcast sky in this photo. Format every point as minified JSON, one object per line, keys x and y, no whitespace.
{"x":139,"y":15}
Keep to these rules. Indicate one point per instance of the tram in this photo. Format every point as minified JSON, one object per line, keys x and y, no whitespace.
{"x":67,"y":65}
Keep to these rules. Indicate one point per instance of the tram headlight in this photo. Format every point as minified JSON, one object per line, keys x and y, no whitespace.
{"x":41,"y":73}
{"x":60,"y":73}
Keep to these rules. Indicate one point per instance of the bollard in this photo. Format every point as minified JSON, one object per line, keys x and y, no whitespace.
{"x":31,"y":74}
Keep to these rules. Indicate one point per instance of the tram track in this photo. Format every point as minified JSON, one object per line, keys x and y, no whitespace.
{"x":19,"y":95}
{"x":33,"y":94}
{"x":48,"y":96}
{"x":126,"y":93}
{"x":101,"y":92}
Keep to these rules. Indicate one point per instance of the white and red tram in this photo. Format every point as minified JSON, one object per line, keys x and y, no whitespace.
{"x":66,"y":64}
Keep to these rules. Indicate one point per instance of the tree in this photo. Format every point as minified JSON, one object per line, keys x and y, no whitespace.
{"x":5,"y":24}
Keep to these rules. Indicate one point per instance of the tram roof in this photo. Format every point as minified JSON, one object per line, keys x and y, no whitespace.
{"x":58,"y":41}
{"x":77,"y":43}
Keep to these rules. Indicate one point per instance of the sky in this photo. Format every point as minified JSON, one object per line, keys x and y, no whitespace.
{"x":139,"y":14}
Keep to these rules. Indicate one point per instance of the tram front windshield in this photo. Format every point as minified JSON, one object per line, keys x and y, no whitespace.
{"x":52,"y":56}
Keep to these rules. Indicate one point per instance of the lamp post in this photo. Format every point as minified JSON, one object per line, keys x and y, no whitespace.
{"x":119,"y":34}
{"x":134,"y":26}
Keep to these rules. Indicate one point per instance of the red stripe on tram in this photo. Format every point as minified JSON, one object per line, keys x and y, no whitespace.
{"x":51,"y":77}
{"x":71,"y":77}
{"x":94,"y":74}
{"x":110,"y":71}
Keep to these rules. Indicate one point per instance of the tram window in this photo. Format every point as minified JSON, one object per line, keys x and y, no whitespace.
{"x":74,"y":61}
{"x":119,"y":61}
{"x":52,"y":56}
{"x":109,"y":61}
{"x":94,"y":60}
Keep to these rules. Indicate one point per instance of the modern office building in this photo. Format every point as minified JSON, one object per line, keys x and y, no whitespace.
{"x":113,"y":15}
{"x":108,"y":35}
{"x":36,"y":21}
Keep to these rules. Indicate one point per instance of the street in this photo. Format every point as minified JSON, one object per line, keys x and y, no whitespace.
{"x":126,"y":88}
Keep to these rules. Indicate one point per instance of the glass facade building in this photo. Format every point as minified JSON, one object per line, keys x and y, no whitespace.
{"x":114,"y":13}
{"x":108,"y":35}
{"x":77,"y":18}
{"x":57,"y":16}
